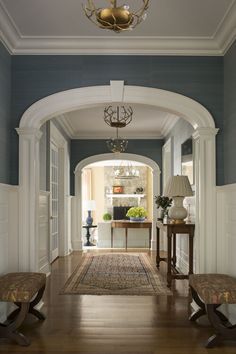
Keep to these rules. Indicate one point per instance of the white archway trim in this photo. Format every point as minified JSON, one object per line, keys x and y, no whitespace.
{"x":124,"y":156}
{"x":77,"y":239}
{"x":79,"y":98}
{"x":59,"y":103}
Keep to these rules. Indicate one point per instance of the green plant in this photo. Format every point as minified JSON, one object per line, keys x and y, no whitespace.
{"x":107,"y":217}
{"x":163,"y":202}
{"x":136,"y":212}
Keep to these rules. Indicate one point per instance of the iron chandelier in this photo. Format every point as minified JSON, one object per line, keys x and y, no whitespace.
{"x":119,"y":117}
{"x":115,"y":18}
{"x":117,"y":144}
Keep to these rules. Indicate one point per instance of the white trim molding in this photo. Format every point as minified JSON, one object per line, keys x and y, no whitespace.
{"x":77,"y":242}
{"x":75,"y":99}
{"x":70,"y":100}
{"x":205,"y":175}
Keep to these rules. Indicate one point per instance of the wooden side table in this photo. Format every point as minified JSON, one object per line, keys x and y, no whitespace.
{"x":171,"y":231}
{"x":127,"y":224}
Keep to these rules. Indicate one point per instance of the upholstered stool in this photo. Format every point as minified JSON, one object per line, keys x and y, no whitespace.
{"x":209,"y":291}
{"x":25,"y":290}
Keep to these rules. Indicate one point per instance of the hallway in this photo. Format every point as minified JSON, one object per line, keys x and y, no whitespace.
{"x":113,"y":324}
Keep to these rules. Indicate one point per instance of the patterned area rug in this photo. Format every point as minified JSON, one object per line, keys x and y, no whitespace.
{"x":116,"y":274}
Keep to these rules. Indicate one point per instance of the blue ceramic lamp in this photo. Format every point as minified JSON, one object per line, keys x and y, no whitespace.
{"x":89,"y":205}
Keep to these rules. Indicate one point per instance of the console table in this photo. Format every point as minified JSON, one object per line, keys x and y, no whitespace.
{"x":171,"y":231}
{"x":127,"y":224}
{"x":88,"y":227}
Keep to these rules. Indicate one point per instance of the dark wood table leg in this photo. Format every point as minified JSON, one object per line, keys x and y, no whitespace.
{"x":150,"y":238}
{"x":191,"y":234}
{"x":158,"y":248}
{"x":169,"y":244}
{"x":126,"y":238}
{"x":174,"y":250}
{"x":112,"y":237}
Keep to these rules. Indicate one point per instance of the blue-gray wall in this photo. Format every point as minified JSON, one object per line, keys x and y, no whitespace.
{"x":35,"y":77}
{"x":81,"y":149}
{"x":5,"y":106}
{"x":230,"y":115}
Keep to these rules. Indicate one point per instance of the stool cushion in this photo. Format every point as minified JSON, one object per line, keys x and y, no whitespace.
{"x":20,"y":287}
{"x":214,"y":288}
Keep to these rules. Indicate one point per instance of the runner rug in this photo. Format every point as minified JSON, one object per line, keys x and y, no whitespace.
{"x":116,"y":274}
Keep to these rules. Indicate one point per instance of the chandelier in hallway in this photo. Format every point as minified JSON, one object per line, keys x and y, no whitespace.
{"x":125,"y":171}
{"x":117,"y":144}
{"x":116,"y":17}
{"x":118,"y":117}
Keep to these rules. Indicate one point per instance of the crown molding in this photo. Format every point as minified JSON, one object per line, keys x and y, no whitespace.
{"x":225,"y":34}
{"x":9,"y":34}
{"x":110,"y":46}
{"x":170,"y":122}
{"x":216,"y":45}
{"x":65,"y":124}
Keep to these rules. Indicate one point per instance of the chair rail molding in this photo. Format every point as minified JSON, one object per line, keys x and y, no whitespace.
{"x":59,"y":103}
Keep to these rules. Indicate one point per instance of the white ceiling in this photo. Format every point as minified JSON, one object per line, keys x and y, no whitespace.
{"x":148,"y":123}
{"x":172,"y":27}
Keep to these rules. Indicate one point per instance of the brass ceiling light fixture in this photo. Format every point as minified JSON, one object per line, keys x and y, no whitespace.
{"x":116,"y":18}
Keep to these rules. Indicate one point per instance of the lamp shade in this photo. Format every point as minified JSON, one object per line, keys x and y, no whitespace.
{"x":89,"y":205}
{"x":178,"y":186}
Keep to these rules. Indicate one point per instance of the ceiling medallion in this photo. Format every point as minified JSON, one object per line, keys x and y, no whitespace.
{"x":119,"y":117}
{"x":115,"y":18}
{"x":117,"y":144}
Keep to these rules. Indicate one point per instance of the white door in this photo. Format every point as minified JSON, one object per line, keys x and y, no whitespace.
{"x":166,"y":163}
{"x":54,"y":198}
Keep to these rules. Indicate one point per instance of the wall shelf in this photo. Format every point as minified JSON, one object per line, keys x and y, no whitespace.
{"x":122,"y":195}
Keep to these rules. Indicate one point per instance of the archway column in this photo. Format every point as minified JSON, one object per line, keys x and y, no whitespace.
{"x":205,"y":183}
{"x":28,"y":197}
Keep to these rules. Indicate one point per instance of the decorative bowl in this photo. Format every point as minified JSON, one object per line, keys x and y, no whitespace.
{"x":132,"y":218}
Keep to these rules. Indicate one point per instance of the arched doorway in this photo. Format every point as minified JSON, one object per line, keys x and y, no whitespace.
{"x":110,"y":156}
{"x":59,"y":103}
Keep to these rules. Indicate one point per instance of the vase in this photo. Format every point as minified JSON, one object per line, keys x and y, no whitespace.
{"x":137,"y":219}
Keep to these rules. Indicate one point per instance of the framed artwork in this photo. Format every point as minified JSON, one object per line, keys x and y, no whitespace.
{"x":118,"y":189}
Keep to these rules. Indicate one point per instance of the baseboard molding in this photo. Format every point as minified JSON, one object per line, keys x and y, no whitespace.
{"x":77,"y":245}
{"x":46,"y":268}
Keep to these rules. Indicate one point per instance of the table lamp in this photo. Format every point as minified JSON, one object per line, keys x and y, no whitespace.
{"x":89,"y":205}
{"x":178,"y":187}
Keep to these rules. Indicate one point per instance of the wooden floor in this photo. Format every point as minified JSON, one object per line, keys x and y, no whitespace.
{"x":114,"y":324}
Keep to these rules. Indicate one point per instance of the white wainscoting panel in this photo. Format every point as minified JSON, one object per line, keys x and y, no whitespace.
{"x":44,"y":263}
{"x":182,"y":241}
{"x":226,"y":235}
{"x":8,"y":234}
